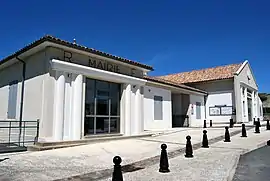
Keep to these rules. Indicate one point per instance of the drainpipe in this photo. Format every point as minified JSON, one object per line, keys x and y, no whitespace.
{"x":22,"y":98}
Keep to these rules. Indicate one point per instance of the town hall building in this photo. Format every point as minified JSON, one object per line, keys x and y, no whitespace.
{"x":76,"y":92}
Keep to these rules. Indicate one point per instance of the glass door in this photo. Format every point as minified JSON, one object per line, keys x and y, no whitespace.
{"x":102,"y":107}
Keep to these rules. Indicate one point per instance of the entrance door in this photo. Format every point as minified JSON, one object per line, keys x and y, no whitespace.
{"x":102,"y":107}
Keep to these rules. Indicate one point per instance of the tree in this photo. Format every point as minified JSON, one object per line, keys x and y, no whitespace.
{"x":263,"y":96}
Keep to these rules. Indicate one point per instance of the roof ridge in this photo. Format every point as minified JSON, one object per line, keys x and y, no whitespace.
{"x":197,"y":70}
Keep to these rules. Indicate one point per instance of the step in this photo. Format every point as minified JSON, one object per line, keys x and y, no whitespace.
{"x":40,"y":146}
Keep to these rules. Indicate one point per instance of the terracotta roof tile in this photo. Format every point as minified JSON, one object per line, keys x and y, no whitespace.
{"x":55,"y":40}
{"x":167,"y":82}
{"x":215,"y":73}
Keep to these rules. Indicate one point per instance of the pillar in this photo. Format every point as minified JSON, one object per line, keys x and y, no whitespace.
{"x":59,"y":99}
{"x":77,"y":89}
{"x":138,"y":111}
{"x":253,"y":105}
{"x":127,"y":109}
{"x":242,"y":98}
{"x":246,"y":105}
{"x":142,"y":109}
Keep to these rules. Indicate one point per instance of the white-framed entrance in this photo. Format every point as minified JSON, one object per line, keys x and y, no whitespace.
{"x":249,"y":103}
{"x":69,"y":123}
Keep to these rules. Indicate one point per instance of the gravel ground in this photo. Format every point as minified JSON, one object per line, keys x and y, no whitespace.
{"x":216,"y":163}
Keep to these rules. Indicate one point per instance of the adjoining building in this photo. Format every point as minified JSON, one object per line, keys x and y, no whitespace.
{"x":77,"y":91}
{"x":232,"y":91}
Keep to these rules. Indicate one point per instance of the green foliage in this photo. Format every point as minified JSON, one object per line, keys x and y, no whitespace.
{"x":263,"y":96}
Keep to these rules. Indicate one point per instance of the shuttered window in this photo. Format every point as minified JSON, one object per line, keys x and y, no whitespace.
{"x":158,"y":113}
{"x":12,"y":100}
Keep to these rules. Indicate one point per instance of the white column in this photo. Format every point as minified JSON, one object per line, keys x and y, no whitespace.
{"x":138,"y":110}
{"x":142,"y":109}
{"x":246,"y":106}
{"x":253,"y":105}
{"x":256,"y":105}
{"x":242,"y":106}
{"x":127,"y":109}
{"x":59,"y":98}
{"x":77,"y":88}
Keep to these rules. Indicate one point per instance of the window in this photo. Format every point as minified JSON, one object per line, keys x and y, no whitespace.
{"x":158,"y":113}
{"x":12,"y":100}
{"x":198,"y":110}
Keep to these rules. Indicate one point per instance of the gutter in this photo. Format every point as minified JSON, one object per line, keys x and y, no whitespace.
{"x":22,"y":97}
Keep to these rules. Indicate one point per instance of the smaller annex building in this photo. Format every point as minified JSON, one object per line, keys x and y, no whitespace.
{"x":77,"y":92}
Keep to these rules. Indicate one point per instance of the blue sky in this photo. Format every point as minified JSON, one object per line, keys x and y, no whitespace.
{"x":172,"y":36}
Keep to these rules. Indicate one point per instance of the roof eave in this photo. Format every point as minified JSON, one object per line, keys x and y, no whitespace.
{"x":75,"y":46}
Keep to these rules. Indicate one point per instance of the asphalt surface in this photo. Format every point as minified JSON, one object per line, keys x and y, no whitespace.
{"x":254,"y":166}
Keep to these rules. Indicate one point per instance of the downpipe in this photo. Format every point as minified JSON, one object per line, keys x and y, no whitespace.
{"x":22,"y":98}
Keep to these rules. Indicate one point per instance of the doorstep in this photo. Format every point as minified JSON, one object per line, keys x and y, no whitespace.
{"x":41,"y":146}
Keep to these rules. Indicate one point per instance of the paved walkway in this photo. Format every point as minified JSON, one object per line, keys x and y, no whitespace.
{"x":67,"y":162}
{"x":216,"y":163}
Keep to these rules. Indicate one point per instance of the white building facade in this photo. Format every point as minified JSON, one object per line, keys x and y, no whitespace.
{"x":76,"y":92}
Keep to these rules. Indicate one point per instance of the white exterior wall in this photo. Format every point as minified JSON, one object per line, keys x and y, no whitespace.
{"x":219,"y":98}
{"x":149,"y":122}
{"x":194,"y":122}
{"x":220,"y":92}
{"x":37,"y":96}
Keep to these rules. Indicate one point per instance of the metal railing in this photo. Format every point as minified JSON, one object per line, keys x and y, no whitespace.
{"x":11,"y":138}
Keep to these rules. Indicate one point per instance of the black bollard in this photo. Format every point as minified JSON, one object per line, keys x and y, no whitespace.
{"x":258,"y":119}
{"x":164,"y":163}
{"x":231,"y":123}
{"x":227,"y":135}
{"x":254,"y":121}
{"x":257,"y":127}
{"x":211,"y":124}
{"x":204,"y":124}
{"x":244,"y":132}
{"x":189,"y":151}
{"x":205,"y":140}
{"x":267,"y":125}
{"x":117,"y":171}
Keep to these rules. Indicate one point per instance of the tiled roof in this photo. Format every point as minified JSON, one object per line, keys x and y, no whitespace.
{"x":75,"y":46}
{"x":167,"y":82}
{"x":215,"y":73}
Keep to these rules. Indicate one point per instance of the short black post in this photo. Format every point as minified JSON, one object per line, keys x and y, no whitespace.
{"x":205,"y":140}
{"x":227,"y":135}
{"x":117,"y":171}
{"x":204,"y":124}
{"x":231,"y":123}
{"x":259,"y":122}
{"x":257,"y":127}
{"x":211,"y":123}
{"x":244,"y":132}
{"x":189,"y":150}
{"x":164,"y":163}
{"x":267,"y":125}
{"x":254,"y":121}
